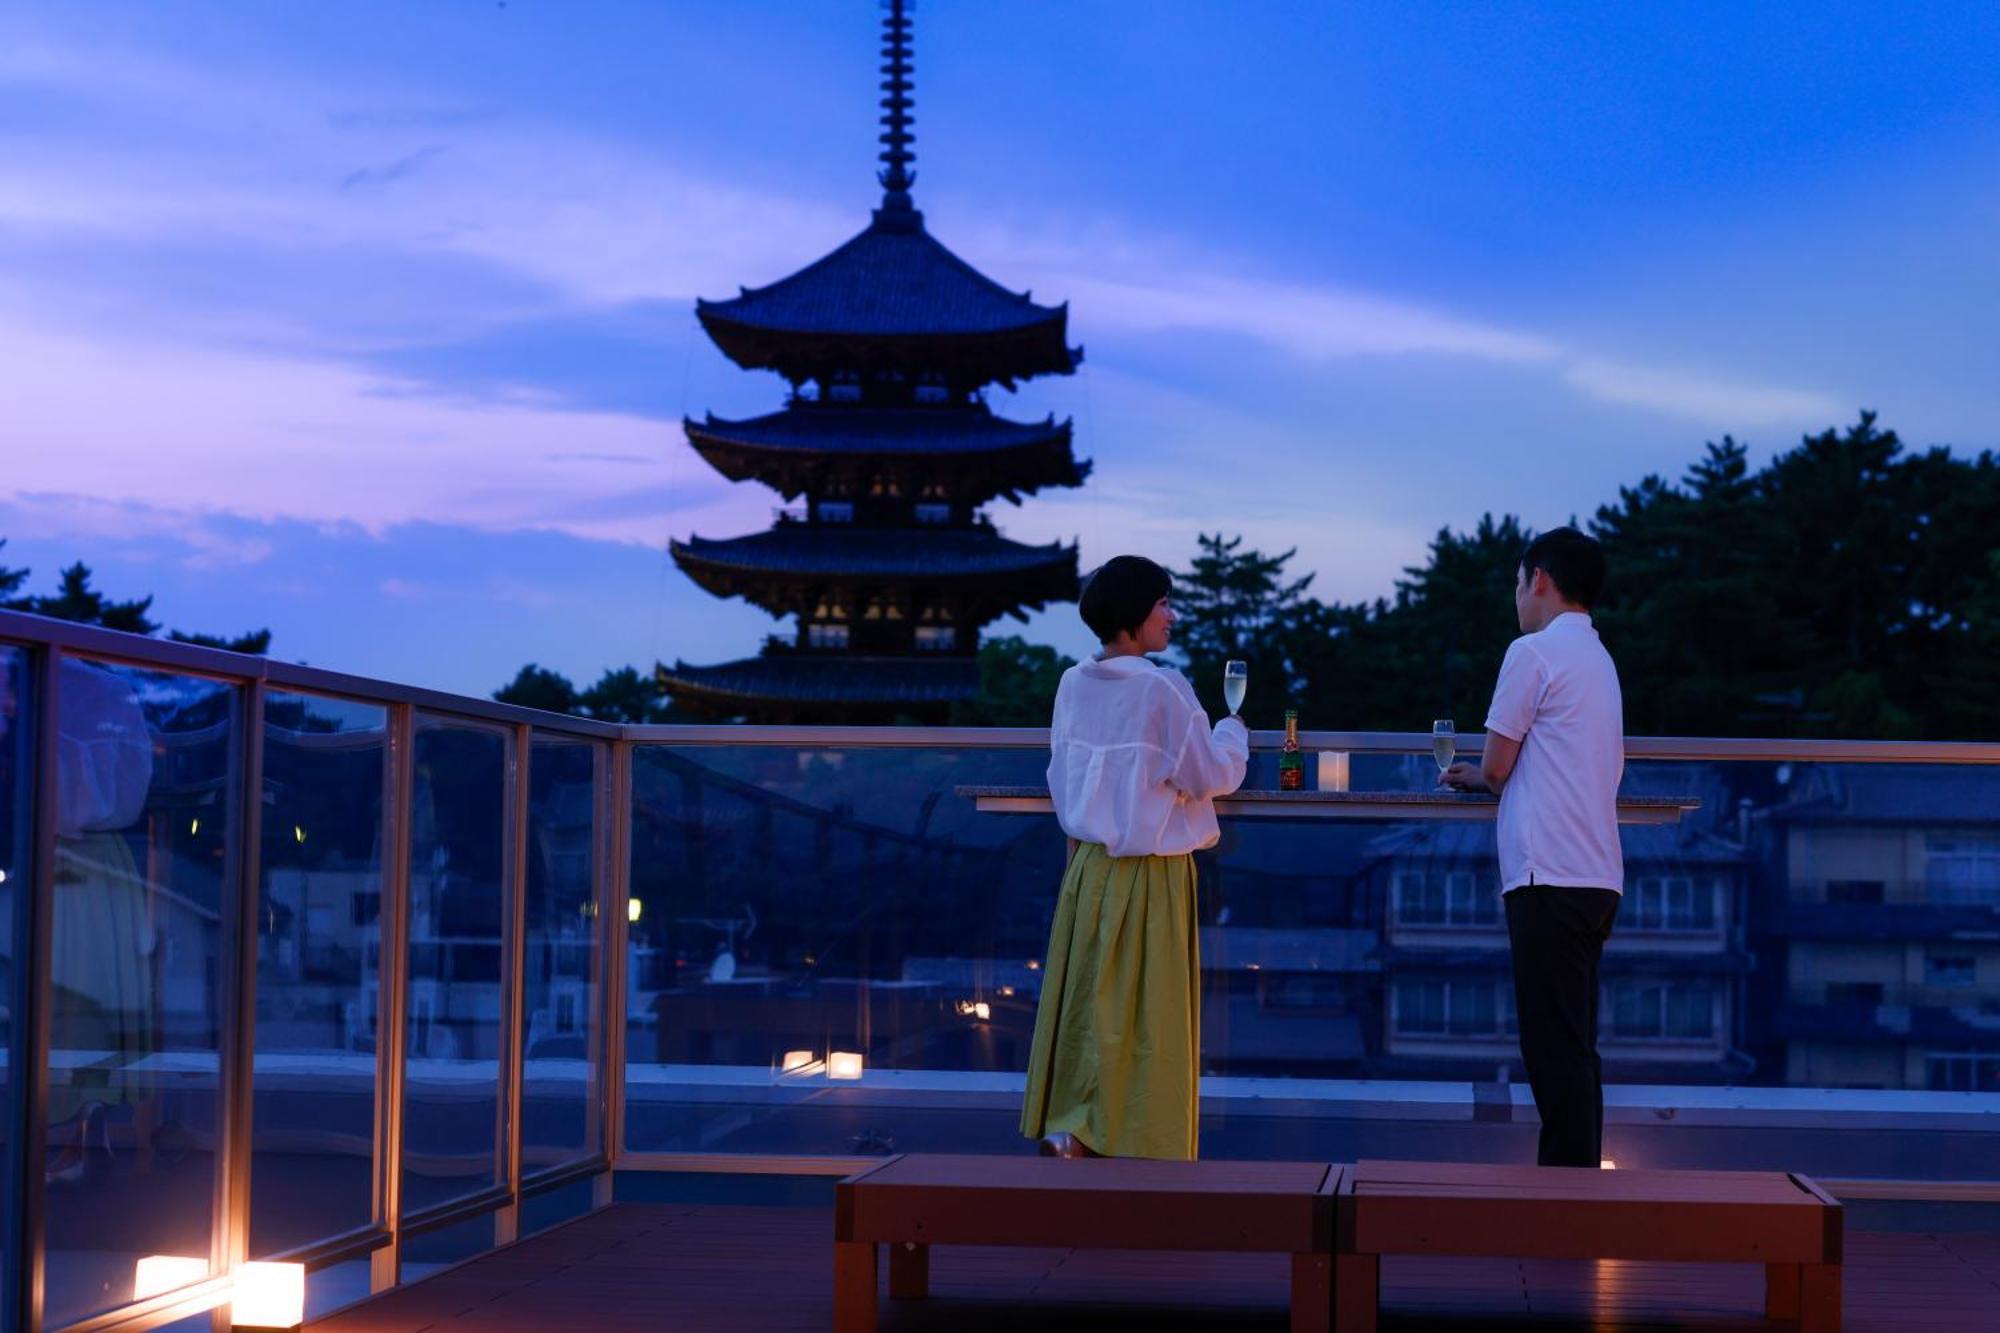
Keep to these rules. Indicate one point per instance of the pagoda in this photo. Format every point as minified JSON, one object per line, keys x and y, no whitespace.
{"x":889,"y":450}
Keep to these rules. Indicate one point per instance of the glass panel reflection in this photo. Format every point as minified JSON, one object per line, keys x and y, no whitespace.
{"x":1810,"y":925}
{"x":146,"y":776}
{"x":319,"y":936}
{"x":452,"y":1096}
{"x":563,"y":1033}
{"x":17,"y":710}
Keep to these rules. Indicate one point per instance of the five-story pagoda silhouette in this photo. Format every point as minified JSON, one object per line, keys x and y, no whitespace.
{"x":889,"y":344}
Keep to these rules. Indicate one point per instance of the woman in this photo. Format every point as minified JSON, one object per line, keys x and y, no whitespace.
{"x":1133,"y":768}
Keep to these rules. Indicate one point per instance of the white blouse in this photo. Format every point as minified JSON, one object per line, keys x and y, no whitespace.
{"x":1133,"y":764}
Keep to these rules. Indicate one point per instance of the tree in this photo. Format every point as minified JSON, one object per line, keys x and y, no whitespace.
{"x":76,"y":600}
{"x":1234,"y":603}
{"x":1017,"y":684}
{"x":625,"y":695}
{"x":537,"y":687}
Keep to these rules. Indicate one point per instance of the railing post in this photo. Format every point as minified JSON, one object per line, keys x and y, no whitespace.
{"x":28,"y":1045}
{"x":231,"y":1245}
{"x":392,"y":991}
{"x":616,"y":935}
{"x":513,"y":988}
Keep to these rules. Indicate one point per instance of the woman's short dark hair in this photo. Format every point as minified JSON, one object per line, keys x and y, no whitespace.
{"x":1574,"y":561}
{"x":1120,"y":593}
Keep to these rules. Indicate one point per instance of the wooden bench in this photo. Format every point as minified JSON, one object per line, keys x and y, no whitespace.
{"x":915,"y":1201}
{"x":1785,"y":1222}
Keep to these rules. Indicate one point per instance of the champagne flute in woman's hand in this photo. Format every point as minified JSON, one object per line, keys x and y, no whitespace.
{"x":1235,"y":680}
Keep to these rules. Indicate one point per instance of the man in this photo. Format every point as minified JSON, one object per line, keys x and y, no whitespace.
{"x":1554,"y":753}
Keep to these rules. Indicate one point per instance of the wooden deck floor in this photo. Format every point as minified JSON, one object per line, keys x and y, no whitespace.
{"x":742,"y":1269}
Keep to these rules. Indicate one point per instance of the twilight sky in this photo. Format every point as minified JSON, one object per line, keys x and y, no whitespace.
{"x":373,"y":322}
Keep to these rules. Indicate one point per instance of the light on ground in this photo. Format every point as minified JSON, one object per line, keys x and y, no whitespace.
{"x":843,"y":1064}
{"x":797,"y":1062}
{"x":1606,"y":1164}
{"x":269,"y":1296}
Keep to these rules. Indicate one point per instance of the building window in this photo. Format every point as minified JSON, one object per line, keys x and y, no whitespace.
{"x":882,"y":607}
{"x":1663,"y":1011}
{"x":1951,"y":970}
{"x":1668,"y":902}
{"x":835,"y":511}
{"x":844,"y":388}
{"x":885,"y":486}
{"x":1445,"y":898}
{"x":936,"y":638}
{"x":826,"y":636}
{"x":1963,"y":1071}
{"x":1962,"y":868}
{"x":1454,"y":1009}
{"x":932,"y":512}
{"x":1854,"y":890}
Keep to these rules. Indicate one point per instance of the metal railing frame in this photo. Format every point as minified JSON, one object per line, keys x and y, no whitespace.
{"x":47,"y":642}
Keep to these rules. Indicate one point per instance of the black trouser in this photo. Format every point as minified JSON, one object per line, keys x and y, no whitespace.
{"x":1558,"y":935}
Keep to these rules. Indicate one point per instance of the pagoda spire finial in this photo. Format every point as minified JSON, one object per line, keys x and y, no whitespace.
{"x":897,"y":135}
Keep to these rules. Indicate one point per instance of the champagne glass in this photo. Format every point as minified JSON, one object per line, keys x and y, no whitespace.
{"x":1235,"y":680}
{"x":1444,"y":743}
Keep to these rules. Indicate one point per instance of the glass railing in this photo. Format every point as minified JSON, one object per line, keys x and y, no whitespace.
{"x":307,"y":966}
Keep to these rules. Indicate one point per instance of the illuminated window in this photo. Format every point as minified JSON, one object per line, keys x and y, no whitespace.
{"x":933,"y":513}
{"x":936,"y":638}
{"x":836,"y":511}
{"x":827,"y":636}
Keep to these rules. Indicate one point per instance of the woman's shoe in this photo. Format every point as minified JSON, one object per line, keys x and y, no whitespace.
{"x":1062,"y":1143}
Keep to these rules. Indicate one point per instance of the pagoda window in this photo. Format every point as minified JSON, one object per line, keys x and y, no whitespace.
{"x":827,"y":636}
{"x":931,"y":512}
{"x":932,"y":389}
{"x":835,"y":511}
{"x":883,"y":607}
{"x":830,"y":608}
{"x":844,"y":388}
{"x":837,"y":488}
{"x":934,"y":490}
{"x":936,"y":638}
{"x":886,"y":485}
{"x":935,"y":613}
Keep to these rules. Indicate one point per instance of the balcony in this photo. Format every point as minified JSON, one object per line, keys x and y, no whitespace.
{"x":376,"y":980}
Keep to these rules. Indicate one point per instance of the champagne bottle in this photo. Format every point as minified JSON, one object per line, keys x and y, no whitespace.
{"x":1291,"y":763}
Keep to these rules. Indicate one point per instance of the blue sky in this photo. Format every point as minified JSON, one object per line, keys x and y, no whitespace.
{"x":373,"y":322}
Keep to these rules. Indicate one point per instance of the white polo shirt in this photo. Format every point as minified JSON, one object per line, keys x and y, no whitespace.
{"x":1558,"y":695}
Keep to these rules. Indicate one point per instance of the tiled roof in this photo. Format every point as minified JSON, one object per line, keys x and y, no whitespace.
{"x":828,"y":678}
{"x":831,"y":551}
{"x":822,"y":428}
{"x":894,"y":279}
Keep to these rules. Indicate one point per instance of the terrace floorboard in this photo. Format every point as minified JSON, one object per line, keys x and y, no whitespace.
{"x":752,"y":1269}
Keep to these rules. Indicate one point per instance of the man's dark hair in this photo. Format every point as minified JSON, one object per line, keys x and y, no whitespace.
{"x":1120,"y":593}
{"x":1574,"y":561}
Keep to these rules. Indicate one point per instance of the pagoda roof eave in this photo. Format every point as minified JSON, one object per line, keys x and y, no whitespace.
{"x":818,"y":552}
{"x":834,"y":679}
{"x":878,"y":432}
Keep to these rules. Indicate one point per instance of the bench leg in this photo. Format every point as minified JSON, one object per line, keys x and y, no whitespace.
{"x":1357,"y":1281}
{"x":853,"y":1286}
{"x":1312,"y":1293}
{"x":909,"y":1271}
{"x":1781,"y":1291}
{"x":1819,"y":1298}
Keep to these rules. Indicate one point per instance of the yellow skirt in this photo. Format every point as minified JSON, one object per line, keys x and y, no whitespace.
{"x":1117,"y":1033}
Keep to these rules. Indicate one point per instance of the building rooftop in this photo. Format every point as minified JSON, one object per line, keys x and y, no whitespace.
{"x":827,"y":551}
{"x":828,"y":679}
{"x":893,"y":297}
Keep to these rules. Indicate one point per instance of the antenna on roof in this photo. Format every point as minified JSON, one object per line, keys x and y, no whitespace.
{"x":897,"y":135}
